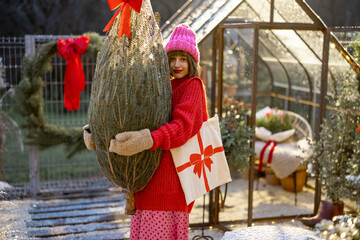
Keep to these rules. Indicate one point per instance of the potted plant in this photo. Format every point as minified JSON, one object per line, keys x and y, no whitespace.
{"x":277,"y":125}
{"x":275,"y":121}
{"x":236,"y":134}
{"x":230,"y":84}
{"x":337,"y":152}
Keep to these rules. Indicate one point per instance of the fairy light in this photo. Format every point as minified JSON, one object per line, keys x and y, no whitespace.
{"x":332,"y":45}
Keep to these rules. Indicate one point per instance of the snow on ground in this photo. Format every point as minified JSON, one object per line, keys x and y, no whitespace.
{"x":268,"y":201}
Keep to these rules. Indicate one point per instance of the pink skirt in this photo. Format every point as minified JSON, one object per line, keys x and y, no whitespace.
{"x":162,"y":225}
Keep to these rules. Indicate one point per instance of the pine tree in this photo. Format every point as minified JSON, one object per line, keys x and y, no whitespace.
{"x":131,"y":91}
{"x":337,"y":152}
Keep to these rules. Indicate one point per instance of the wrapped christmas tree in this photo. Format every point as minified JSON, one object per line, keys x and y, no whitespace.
{"x":130,"y":91}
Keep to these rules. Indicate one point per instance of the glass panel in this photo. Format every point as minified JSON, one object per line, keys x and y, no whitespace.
{"x":206,"y":15}
{"x":293,"y":57}
{"x":269,"y":198}
{"x":275,"y":55}
{"x":339,"y":68}
{"x":247,"y":11}
{"x":237,"y":66}
{"x":339,"y":71}
{"x":296,"y":45}
{"x":283,"y":68}
{"x":290,"y":11}
{"x":216,"y":18}
{"x":261,"y":7}
{"x":276,"y":75}
{"x":266,"y":78}
{"x":206,"y":63}
{"x":237,"y":79}
{"x":315,"y":41}
{"x":182,"y":16}
{"x":202,"y":16}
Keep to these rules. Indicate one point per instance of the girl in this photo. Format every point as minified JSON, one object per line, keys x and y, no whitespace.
{"x":162,"y":212}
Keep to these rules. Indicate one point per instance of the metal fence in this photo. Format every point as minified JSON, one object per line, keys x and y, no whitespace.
{"x":55,"y":171}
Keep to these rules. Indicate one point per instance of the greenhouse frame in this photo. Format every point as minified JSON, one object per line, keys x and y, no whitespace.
{"x":275,"y":53}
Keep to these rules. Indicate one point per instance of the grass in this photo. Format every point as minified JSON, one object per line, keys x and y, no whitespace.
{"x":53,"y":163}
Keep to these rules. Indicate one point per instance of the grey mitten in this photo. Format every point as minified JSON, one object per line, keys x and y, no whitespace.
{"x":130,"y":143}
{"x":88,"y":140}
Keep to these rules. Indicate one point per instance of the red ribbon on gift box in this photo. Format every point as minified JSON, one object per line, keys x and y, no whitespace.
{"x":74,"y":81}
{"x":261,"y":159}
{"x":125,"y":6}
{"x":199,"y":161}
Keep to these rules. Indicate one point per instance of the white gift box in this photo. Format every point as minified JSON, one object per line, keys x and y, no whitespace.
{"x":200,"y":163}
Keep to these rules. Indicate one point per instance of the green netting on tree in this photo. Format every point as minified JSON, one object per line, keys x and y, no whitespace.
{"x":130,"y":91}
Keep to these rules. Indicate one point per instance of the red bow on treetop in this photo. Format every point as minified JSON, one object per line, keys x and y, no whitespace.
{"x":124,"y":5}
{"x":201,"y":160}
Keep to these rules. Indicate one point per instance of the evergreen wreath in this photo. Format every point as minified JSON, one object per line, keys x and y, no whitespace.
{"x":29,"y":95}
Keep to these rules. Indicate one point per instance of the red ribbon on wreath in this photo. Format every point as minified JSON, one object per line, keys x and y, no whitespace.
{"x":74,"y":81}
{"x":261,"y":159}
{"x":199,"y":161}
{"x":125,"y":6}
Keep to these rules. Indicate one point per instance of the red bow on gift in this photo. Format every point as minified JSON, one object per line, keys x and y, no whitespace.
{"x":261,"y":159}
{"x":124,"y":5}
{"x":201,"y":160}
{"x":74,"y":81}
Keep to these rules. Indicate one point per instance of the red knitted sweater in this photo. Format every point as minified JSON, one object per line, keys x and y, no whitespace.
{"x":164,"y":192}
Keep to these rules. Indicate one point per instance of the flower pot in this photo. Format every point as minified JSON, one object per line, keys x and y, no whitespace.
{"x":338,"y":209}
{"x":288,"y":182}
{"x":271,"y":177}
{"x":246,"y":175}
{"x":230,"y":90}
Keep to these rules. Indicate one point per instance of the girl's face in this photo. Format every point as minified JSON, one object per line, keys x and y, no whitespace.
{"x":179,"y":66}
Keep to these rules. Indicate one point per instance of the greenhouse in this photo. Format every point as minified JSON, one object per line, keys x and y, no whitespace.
{"x":258,"y":54}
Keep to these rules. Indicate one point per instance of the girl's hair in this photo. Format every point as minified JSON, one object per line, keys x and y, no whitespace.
{"x":194,"y":68}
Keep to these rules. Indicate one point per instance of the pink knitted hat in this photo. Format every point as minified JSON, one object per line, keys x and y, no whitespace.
{"x":184,"y":39}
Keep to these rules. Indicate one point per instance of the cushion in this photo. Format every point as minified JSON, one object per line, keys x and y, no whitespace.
{"x":265,"y":135}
